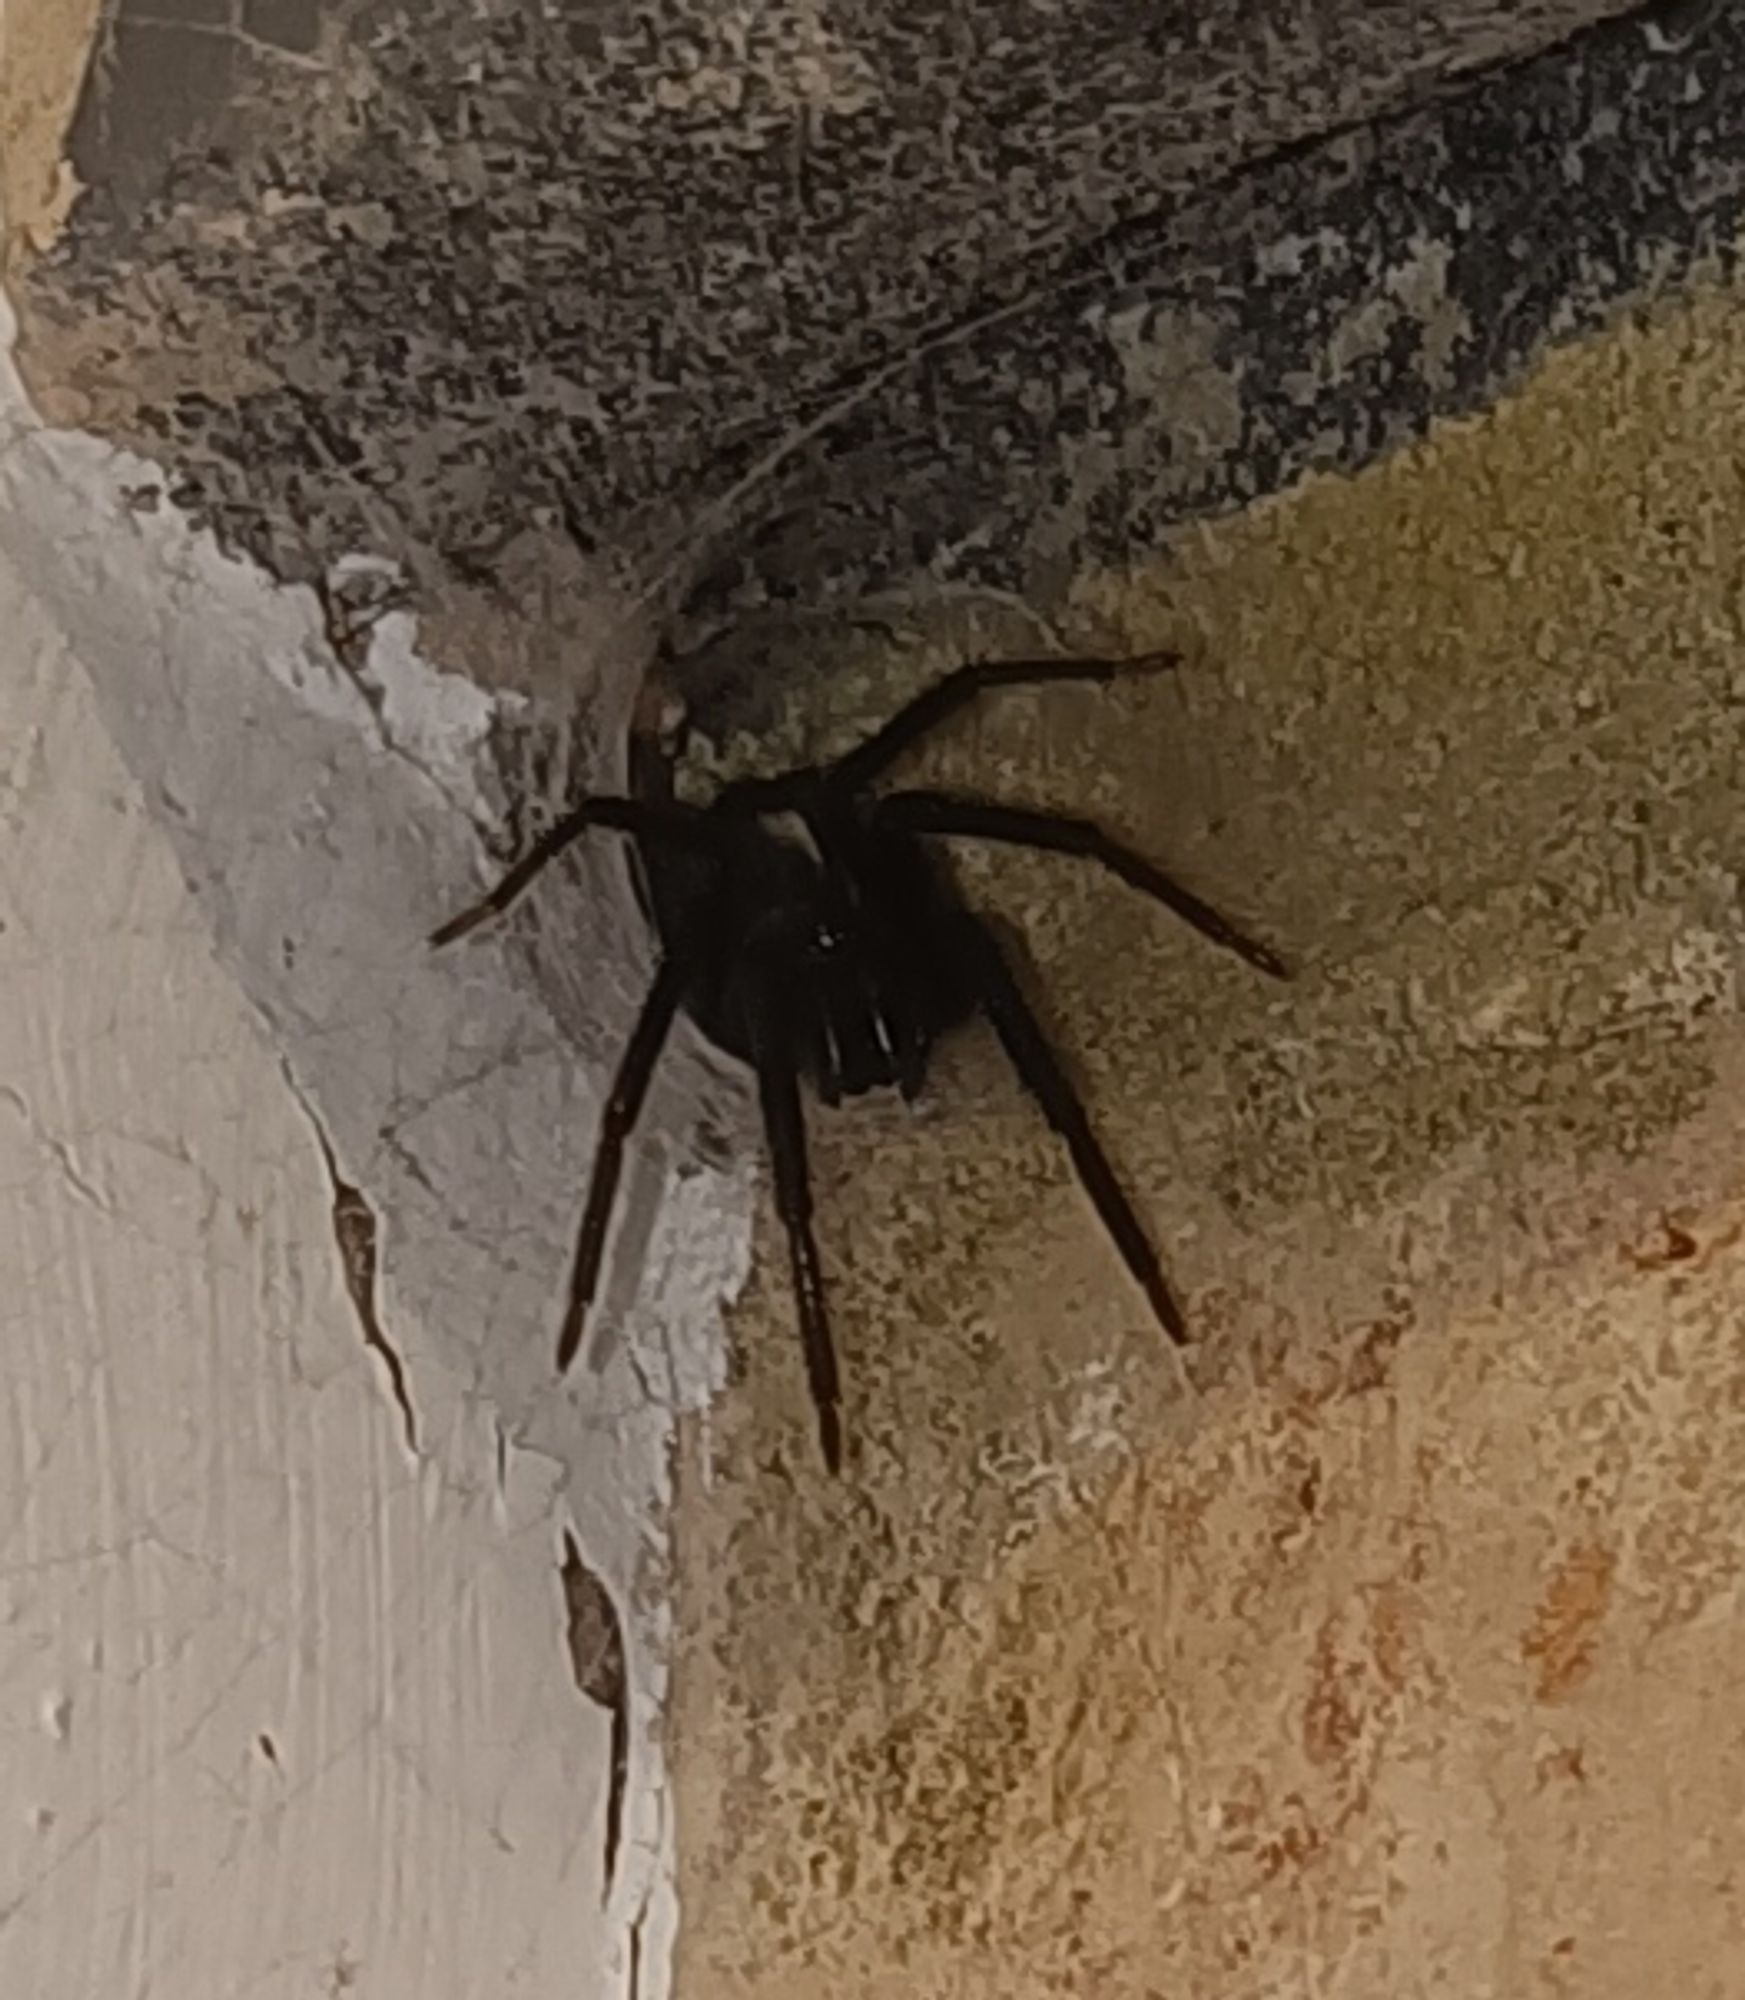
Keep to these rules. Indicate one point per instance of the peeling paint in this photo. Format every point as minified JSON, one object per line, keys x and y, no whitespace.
{"x":316,"y":845}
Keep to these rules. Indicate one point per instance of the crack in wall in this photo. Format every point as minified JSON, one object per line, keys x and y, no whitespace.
{"x":357,"y":1233}
{"x":596,"y":1643}
{"x":634,"y":1987}
{"x":57,"y":1149}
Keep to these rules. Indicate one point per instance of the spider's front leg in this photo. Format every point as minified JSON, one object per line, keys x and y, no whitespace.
{"x":623,"y":1105}
{"x":1039,"y":1069}
{"x":648,"y":819}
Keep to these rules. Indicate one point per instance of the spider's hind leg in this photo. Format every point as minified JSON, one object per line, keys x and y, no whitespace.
{"x":1040,"y":1071}
{"x":953,"y":813}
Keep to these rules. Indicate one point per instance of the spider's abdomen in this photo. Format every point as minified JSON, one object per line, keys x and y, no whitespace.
{"x":845,"y":931}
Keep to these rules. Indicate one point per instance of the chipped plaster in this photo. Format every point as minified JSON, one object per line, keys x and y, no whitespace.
{"x":255,"y":1647}
{"x":290,"y":1153}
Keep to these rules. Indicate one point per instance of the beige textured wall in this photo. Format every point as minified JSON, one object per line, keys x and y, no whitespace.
{"x":1400,"y":1654}
{"x":43,"y":48}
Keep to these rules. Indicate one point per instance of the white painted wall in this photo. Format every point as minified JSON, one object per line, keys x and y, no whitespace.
{"x":285,"y":1706}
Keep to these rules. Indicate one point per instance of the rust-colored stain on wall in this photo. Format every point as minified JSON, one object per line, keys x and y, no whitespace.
{"x":1389,"y":1647}
{"x":1560,"y":1643}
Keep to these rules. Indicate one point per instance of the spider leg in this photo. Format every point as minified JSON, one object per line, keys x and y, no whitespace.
{"x":945,"y":697}
{"x":784,"y":1121}
{"x":623,"y":1103}
{"x":648,"y":819}
{"x":948,"y":813}
{"x":1040,"y":1071}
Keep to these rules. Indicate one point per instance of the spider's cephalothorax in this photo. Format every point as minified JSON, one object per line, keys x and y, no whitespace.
{"x":818,"y":937}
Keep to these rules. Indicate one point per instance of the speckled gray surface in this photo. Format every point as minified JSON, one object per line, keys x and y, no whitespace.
{"x":796,"y":303}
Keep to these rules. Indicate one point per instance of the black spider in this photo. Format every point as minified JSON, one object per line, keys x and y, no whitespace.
{"x":821,"y":938}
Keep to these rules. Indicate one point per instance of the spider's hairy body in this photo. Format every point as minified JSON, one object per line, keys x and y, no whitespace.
{"x":805,"y":892}
{"x":808,"y":928}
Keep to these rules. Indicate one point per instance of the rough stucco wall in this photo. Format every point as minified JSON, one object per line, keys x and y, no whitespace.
{"x":1059,"y":1580}
{"x":1395,"y":1655}
{"x":43,"y":50}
